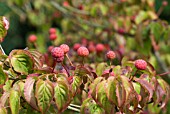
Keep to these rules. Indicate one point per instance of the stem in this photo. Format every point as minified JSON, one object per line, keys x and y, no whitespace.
{"x":69,"y":60}
{"x":2,"y":49}
{"x":162,"y":74}
{"x":66,"y":69}
{"x":83,"y":61}
{"x":77,"y":106}
{"x":160,"y":10}
{"x":74,"y":109}
{"x":55,"y":62}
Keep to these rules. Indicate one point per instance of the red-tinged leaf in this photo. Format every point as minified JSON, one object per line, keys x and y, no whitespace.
{"x":61,"y":95}
{"x":121,"y":94}
{"x":29,"y":92}
{"x":81,"y":71}
{"x":62,"y":77}
{"x":4,"y":98}
{"x":14,"y":101}
{"x":102,"y":99}
{"x":89,"y":106}
{"x":147,"y":86}
{"x":127,"y":85}
{"x":166,"y":88}
{"x":110,"y":88}
{"x":3,"y":110}
{"x":21,"y":61}
{"x":93,"y":85}
{"x":44,"y":94}
{"x":38,"y":59}
{"x":76,"y":82}
{"x":144,"y":97}
{"x":131,"y":95}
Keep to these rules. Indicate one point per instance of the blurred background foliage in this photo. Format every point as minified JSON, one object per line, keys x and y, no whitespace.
{"x":135,"y":28}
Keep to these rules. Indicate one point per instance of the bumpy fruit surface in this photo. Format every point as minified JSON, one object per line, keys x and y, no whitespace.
{"x":53,"y":36}
{"x":140,"y":64}
{"x":100,"y":47}
{"x":83,"y":51}
{"x":76,"y":46}
{"x":32,"y":38}
{"x":57,"y":52}
{"x":110,"y":55}
{"x":65,"y":48}
{"x":52,"y":31}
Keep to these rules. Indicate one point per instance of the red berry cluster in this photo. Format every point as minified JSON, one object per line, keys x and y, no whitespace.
{"x":52,"y":33}
{"x":83,"y":51}
{"x":58,"y":54}
{"x":110,"y":55}
{"x":140,"y":64}
{"x":32,"y":38}
{"x":65,"y":48}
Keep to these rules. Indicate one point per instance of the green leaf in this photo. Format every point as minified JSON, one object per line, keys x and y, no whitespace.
{"x":93,"y":85}
{"x":89,"y":106}
{"x":100,"y":68}
{"x":29,"y":92}
{"x":44,"y":94}
{"x":21,"y":61}
{"x":61,"y":95}
{"x":81,"y":71}
{"x":141,"y":17}
{"x":111,"y":90}
{"x":3,"y":76}
{"x":75,"y":84}
{"x":102,"y":99}
{"x":156,"y":30}
{"x":14,"y":100}
{"x":3,"y":110}
{"x":3,"y":31}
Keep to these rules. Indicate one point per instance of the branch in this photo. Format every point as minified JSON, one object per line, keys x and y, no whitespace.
{"x":74,"y":109}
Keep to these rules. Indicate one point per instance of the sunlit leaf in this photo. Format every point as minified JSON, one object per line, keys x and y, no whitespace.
{"x":75,"y":84}
{"x":44,"y":94}
{"x":102,"y":99}
{"x":21,"y":61}
{"x":61,"y":95}
{"x":14,"y":101}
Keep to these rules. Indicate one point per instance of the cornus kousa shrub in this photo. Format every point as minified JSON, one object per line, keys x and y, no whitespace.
{"x":29,"y":85}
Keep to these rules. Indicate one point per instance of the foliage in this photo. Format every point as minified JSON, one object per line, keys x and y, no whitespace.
{"x":32,"y":81}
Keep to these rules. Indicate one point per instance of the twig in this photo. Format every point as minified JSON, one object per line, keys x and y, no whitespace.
{"x":56,"y":5}
{"x":66,"y":69}
{"x":77,"y":106}
{"x":2,"y":49}
{"x":74,"y":109}
{"x":69,"y":60}
{"x":162,"y":74}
